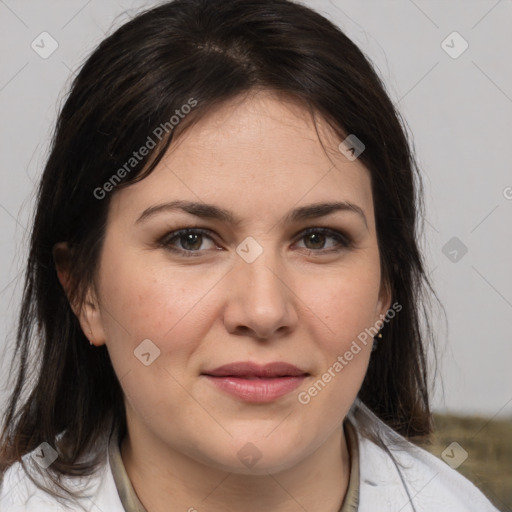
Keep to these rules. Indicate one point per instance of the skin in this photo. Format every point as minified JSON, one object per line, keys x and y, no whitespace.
{"x":259,"y":157}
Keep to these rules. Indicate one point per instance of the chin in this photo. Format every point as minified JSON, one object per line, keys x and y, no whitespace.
{"x":258,"y":457}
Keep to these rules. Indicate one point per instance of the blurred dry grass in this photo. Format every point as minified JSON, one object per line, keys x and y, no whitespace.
{"x":489,"y":447}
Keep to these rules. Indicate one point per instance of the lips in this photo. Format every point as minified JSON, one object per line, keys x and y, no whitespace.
{"x":249,"y":370}
{"x":254,"y":383}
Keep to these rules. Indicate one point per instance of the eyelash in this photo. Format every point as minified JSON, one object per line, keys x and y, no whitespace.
{"x":343,"y":241}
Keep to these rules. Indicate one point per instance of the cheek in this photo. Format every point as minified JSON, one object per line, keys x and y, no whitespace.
{"x":164,"y":306}
{"x":344,"y":302}
{"x":149,"y":299}
{"x":344,"y":350}
{"x":345,"y":308}
{"x":156,"y":303}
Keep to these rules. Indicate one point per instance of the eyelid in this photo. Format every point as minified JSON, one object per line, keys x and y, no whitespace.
{"x":331,"y":232}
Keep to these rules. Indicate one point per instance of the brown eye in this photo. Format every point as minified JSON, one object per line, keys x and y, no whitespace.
{"x":188,"y":242}
{"x":191,"y":241}
{"x":316,"y":239}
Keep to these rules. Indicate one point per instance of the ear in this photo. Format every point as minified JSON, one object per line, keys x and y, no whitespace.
{"x":88,"y":314}
{"x":384,"y":302}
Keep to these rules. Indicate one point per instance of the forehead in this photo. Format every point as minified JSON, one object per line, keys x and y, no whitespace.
{"x":252,"y":154}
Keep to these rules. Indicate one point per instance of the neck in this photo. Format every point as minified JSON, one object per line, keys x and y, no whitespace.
{"x":165,"y":480}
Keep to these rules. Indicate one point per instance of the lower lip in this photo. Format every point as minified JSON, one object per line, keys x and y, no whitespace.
{"x":257,"y":390}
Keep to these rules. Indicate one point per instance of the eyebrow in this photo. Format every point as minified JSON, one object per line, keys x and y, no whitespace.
{"x":210,"y":211}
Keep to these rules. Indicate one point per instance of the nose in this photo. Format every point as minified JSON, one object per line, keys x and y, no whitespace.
{"x":261,"y":302}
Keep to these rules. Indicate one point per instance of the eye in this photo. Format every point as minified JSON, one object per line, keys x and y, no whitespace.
{"x":316,"y":240}
{"x":194,"y":241}
{"x":190,"y":241}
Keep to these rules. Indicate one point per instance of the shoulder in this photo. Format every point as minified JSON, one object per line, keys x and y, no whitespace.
{"x":397,"y":475}
{"x":18,"y":493}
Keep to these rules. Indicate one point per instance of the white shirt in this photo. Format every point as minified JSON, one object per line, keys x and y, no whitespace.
{"x":418,"y":478}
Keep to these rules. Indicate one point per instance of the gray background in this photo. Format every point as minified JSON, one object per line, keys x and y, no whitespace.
{"x":459,"y":112}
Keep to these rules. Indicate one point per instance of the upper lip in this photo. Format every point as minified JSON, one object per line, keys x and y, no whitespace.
{"x":250,"y":369}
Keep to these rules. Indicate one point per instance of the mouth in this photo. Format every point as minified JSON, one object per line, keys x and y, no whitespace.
{"x":254,"y":383}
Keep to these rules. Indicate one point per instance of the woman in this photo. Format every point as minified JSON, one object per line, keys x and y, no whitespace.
{"x":226,"y":226}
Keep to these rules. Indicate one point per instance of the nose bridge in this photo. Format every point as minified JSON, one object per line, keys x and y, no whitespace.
{"x":259,"y":298}
{"x":261,"y":274}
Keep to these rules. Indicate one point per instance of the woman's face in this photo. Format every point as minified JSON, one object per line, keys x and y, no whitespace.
{"x":253,"y":288}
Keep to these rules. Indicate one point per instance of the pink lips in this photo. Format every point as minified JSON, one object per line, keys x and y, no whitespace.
{"x":255,"y":383}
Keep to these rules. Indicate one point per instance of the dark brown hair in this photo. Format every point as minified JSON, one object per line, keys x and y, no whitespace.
{"x":212,"y":51}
